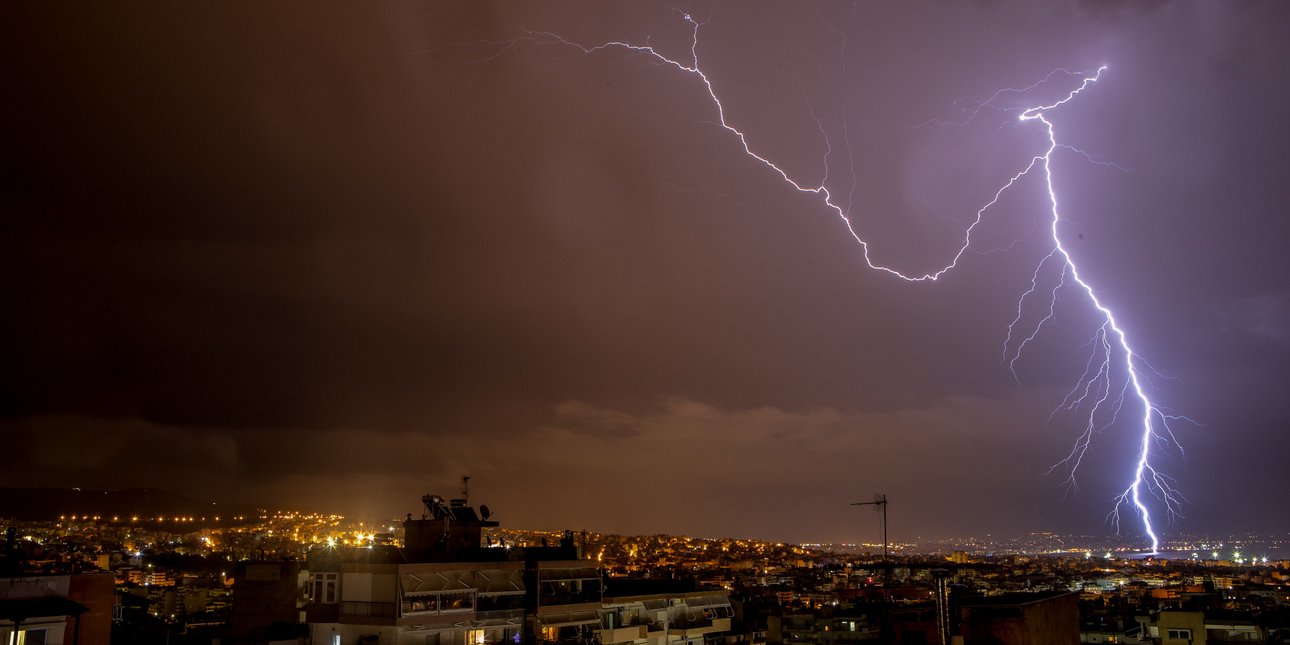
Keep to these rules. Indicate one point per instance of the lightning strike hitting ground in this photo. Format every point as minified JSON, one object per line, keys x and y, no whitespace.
{"x":1109,"y":342}
{"x":1113,"y":376}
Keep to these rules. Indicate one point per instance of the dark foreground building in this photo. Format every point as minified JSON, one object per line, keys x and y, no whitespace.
{"x":1021,"y":619}
{"x":70,"y":609}
{"x":446,"y":587}
{"x":265,"y":607}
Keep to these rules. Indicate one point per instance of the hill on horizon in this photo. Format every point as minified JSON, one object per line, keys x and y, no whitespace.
{"x":46,"y":503}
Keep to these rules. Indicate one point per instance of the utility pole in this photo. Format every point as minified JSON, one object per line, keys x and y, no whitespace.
{"x":880,"y":502}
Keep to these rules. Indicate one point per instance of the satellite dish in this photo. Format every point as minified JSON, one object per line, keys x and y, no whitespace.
{"x":484,"y":512}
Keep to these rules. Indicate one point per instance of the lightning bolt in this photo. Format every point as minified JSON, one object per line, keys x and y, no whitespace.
{"x":1110,"y":345}
{"x":1113,"y":376}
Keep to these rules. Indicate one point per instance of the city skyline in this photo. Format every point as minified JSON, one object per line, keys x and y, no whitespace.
{"x":355,"y":255}
{"x":164,"y":513}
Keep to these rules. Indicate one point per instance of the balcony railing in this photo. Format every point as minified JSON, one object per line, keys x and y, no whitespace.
{"x":372,"y":613}
{"x":700,"y":625}
{"x":322,"y":612}
{"x":500,"y":615}
{"x":622,"y":634}
{"x":569,"y":598}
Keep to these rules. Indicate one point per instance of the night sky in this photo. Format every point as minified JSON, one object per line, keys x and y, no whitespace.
{"x":338,"y":259}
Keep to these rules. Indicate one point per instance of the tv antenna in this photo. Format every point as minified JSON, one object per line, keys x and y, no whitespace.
{"x":880,"y":503}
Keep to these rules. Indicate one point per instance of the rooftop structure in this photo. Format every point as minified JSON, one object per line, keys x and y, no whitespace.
{"x":446,"y":586}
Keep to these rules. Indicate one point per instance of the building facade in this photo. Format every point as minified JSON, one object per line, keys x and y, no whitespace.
{"x":445,"y":587}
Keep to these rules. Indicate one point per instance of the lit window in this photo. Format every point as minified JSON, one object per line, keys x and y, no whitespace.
{"x":457,"y":601}
{"x":31,"y":637}
{"x":415,"y":603}
{"x":474,"y":637}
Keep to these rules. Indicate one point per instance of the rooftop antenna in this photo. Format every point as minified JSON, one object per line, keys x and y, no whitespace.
{"x":880,"y":502}
{"x":465,"y":488}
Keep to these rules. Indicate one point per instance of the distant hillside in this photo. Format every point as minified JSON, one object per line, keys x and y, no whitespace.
{"x":50,"y":503}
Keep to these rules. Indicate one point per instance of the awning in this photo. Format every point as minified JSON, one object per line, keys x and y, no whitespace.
{"x":574,"y":573}
{"x":502,"y":621}
{"x":441,"y":627}
{"x":435,"y":581}
{"x":20,"y":609}
{"x":701,"y":602}
{"x":496,"y":582}
{"x":570,"y":619}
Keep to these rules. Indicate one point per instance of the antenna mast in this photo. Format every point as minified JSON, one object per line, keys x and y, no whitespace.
{"x":880,"y":501}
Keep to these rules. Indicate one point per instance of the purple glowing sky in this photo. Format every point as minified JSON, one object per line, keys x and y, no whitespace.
{"x":342,"y":258}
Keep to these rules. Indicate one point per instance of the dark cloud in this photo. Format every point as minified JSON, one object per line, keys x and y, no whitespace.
{"x":97,"y":452}
{"x":392,"y":246}
{"x":674,"y":465}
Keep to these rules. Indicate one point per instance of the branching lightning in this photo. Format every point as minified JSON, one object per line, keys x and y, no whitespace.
{"x":1113,"y":378}
{"x":1110,"y":344}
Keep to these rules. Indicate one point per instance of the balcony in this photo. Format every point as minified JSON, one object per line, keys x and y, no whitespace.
{"x":621,"y":634}
{"x":569,"y":598}
{"x":698,"y":627}
{"x":500,"y":617}
{"x":367,"y":613}
{"x":319,"y":612}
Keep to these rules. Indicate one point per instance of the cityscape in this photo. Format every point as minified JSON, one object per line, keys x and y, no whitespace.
{"x":452,"y":575}
{"x":625,"y":323}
